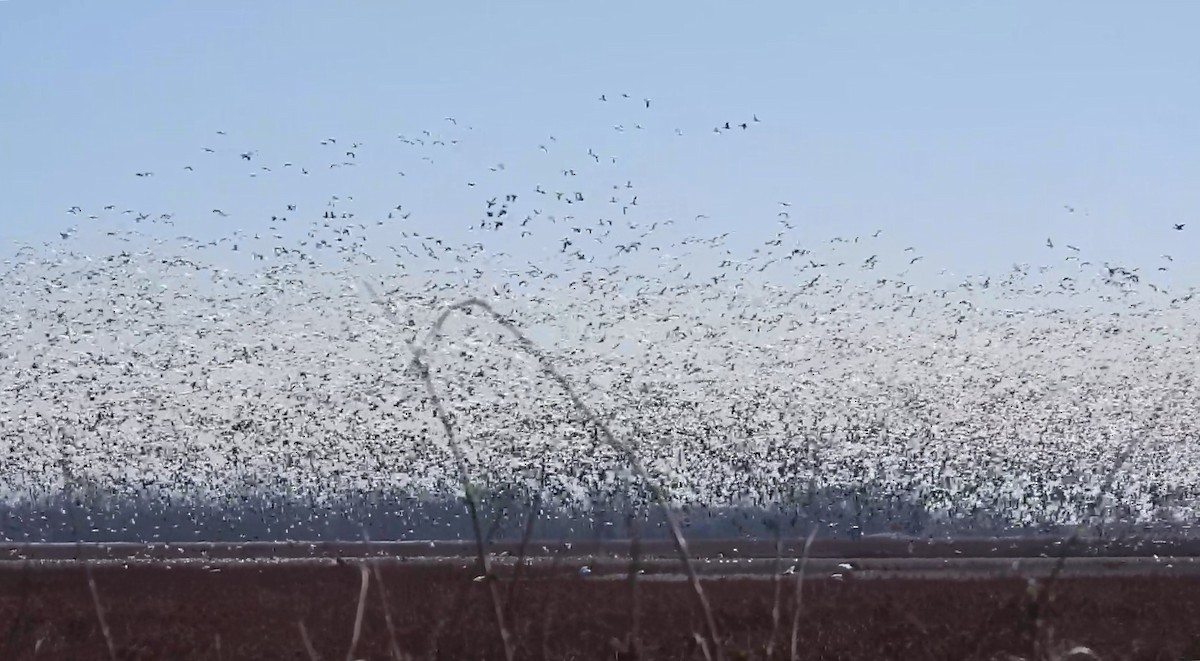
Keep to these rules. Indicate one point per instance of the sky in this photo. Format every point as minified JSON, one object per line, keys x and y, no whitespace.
{"x":964,"y":128}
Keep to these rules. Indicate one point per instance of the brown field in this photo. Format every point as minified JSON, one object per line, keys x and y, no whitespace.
{"x":252,"y":610}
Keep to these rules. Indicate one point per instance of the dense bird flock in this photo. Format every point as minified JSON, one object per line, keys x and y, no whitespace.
{"x":260,"y":367}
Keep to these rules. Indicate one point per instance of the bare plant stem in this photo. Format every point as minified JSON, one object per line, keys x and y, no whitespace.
{"x":108,"y":639}
{"x":526,"y":536}
{"x":472,"y":507}
{"x":800,"y":595}
{"x":419,"y":363}
{"x":777,"y":579}
{"x":308,"y":645}
{"x":1044,"y":595}
{"x":393,"y":645}
{"x":635,"y":602}
{"x":630,"y":457}
{"x":364,"y":587}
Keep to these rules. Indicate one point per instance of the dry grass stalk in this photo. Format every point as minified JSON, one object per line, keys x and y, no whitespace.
{"x":422,"y":368}
{"x":419,"y":352}
{"x":472,"y":506}
{"x":308,"y":645}
{"x":393,"y":645}
{"x":800,"y":594}
{"x":631,"y":458}
{"x":360,"y":612}
{"x":526,"y":536}
{"x":1044,"y":593}
{"x":108,"y":639}
{"x":635,"y":603}
{"x":777,"y":579}
{"x":702,"y":643}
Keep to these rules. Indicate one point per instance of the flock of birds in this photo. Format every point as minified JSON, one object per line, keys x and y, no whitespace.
{"x":191,"y":362}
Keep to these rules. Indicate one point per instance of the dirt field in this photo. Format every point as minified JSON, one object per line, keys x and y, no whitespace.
{"x":882,"y":547}
{"x":253,"y":611}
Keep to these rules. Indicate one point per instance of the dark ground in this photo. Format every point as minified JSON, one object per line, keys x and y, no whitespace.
{"x":251,"y":610}
{"x":869,"y":547}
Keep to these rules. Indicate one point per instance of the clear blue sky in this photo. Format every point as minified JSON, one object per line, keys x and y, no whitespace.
{"x":961,"y":127}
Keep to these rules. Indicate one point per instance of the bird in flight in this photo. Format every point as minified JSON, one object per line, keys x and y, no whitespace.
{"x":1179,"y":226}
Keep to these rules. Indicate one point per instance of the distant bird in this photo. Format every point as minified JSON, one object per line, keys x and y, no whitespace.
{"x":1178,"y":226}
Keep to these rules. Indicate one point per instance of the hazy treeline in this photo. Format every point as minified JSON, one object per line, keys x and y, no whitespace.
{"x":93,"y":515}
